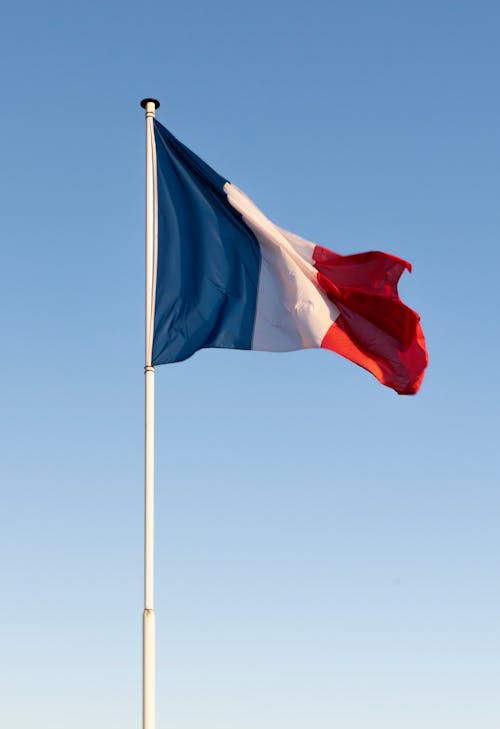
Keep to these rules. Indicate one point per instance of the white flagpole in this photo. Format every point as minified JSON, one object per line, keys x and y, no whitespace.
{"x":149,"y":641}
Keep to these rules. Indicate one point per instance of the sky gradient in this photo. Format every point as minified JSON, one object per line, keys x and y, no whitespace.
{"x":327,"y":552}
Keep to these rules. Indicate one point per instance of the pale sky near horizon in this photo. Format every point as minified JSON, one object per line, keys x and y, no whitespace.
{"x":327,"y":552}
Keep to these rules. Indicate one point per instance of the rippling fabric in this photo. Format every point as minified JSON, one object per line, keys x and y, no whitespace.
{"x":227,"y":276}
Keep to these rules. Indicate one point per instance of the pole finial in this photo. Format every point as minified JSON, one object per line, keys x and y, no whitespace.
{"x":145,"y":102}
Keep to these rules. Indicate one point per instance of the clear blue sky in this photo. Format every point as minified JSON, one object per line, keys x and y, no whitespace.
{"x":327,"y":552}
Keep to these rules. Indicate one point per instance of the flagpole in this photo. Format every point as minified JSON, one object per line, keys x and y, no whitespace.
{"x":149,"y":639}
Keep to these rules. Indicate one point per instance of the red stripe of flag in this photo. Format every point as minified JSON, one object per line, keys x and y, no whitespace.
{"x":374,"y":329}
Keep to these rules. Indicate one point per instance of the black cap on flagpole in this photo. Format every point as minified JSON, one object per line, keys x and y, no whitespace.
{"x":146,"y":101}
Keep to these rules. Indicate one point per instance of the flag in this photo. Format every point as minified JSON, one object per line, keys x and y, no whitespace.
{"x":226,"y":276}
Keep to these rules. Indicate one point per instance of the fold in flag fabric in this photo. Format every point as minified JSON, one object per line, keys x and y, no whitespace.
{"x":226,"y":276}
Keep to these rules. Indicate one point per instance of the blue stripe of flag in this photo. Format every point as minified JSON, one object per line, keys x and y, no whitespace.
{"x":208,"y":260}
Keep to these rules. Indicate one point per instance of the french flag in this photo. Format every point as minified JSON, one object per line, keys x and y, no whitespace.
{"x":226,"y":276}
